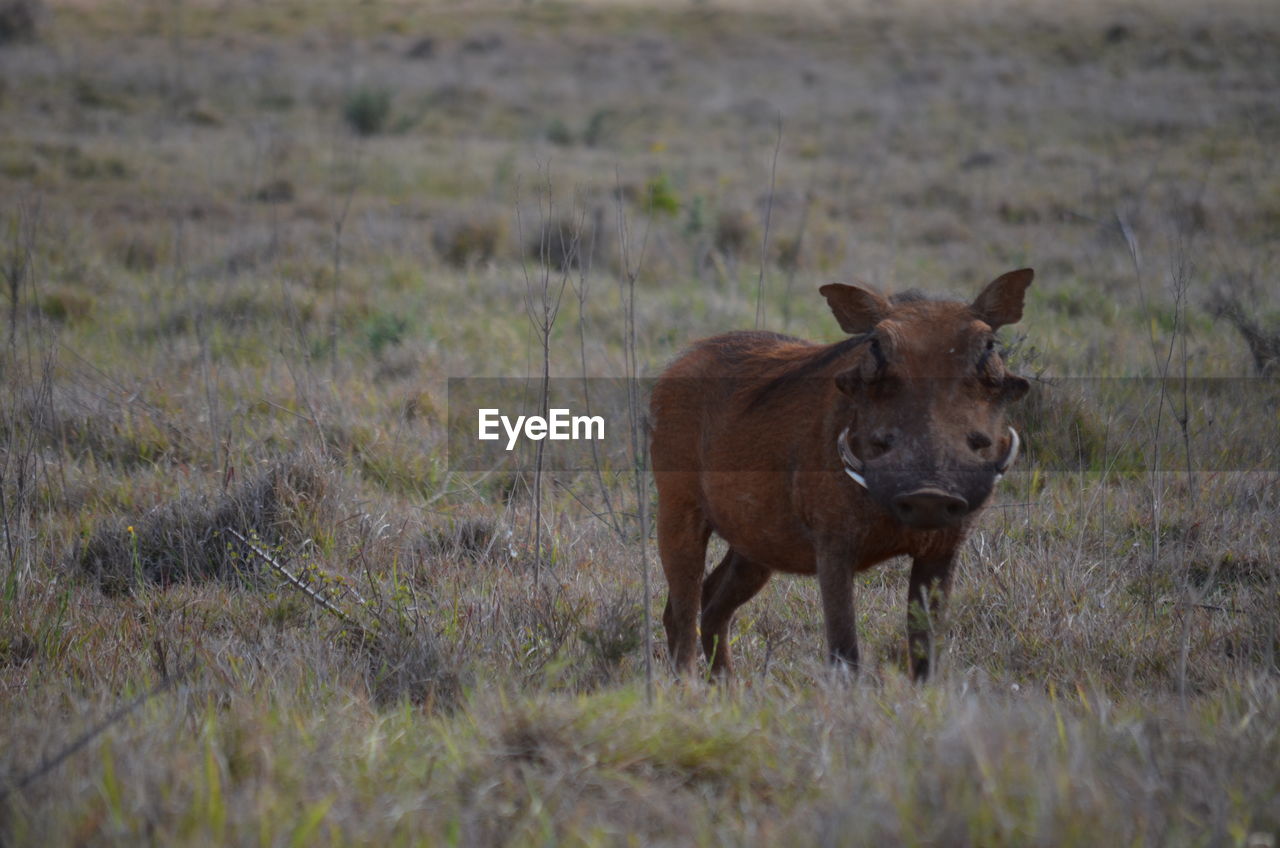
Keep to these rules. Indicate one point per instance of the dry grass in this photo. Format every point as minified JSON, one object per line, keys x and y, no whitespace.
{"x":187,"y":538}
{"x":228,"y":307}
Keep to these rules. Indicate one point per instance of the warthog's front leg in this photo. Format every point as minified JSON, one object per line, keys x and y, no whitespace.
{"x":926,"y":598}
{"x":835,"y":581}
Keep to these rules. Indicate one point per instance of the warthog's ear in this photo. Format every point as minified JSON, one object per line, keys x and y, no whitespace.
{"x":1014,"y":387}
{"x":857,"y":309}
{"x":1001,"y":301}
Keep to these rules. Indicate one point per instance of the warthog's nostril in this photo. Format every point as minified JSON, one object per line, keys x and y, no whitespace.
{"x":929,"y":508}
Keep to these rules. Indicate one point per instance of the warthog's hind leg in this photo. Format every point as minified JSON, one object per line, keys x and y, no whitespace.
{"x":735,"y":581}
{"x":683,"y":532}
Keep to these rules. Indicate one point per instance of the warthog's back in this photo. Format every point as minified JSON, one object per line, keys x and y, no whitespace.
{"x":711,"y":388}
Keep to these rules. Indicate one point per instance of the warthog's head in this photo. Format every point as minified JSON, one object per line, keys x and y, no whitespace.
{"x":926,"y":434}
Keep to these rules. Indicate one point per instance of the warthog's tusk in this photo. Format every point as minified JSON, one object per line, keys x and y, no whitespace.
{"x":1014,"y":444}
{"x":852,"y":465}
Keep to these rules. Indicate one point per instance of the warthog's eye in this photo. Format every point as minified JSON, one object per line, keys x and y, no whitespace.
{"x":979,"y":441}
{"x":984,"y":361}
{"x":878,"y":354}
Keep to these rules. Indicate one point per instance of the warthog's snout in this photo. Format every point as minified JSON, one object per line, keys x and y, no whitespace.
{"x":928,"y":509}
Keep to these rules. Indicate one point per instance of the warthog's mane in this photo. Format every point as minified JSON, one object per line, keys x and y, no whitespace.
{"x":912,"y":296}
{"x":793,"y":372}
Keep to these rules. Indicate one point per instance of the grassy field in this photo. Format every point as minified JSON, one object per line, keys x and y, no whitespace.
{"x":244,"y":244}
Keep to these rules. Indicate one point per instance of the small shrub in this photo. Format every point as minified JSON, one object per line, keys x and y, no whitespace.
{"x":788,"y":252}
{"x":628,"y":192}
{"x":614,"y":634}
{"x":18,"y":167}
{"x":87,"y":93}
{"x":599,"y":128}
{"x":275,"y":191}
{"x":695,"y":219}
{"x":276,"y":101}
{"x":138,"y":253}
{"x":483,"y":43}
{"x":473,"y":539}
{"x":458,"y":101}
{"x":1070,"y":302}
{"x":558,"y":133}
{"x":1063,"y":430}
{"x":1017,"y":214}
{"x":541,"y":624}
{"x":81,"y":167}
{"x":83,"y":426}
{"x":475,"y":238}
{"x":385,"y":330}
{"x":65,"y":306}
{"x":20,"y":20}
{"x":660,"y":197}
{"x":1117,"y":33}
{"x":406,"y":663}
{"x":17,"y":648}
{"x":736,"y":232}
{"x":367,"y":110}
{"x":202,"y":114}
{"x":422,"y":49}
{"x":565,"y":242}
{"x":1263,"y":342}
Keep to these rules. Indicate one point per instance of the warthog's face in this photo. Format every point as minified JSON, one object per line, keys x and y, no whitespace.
{"x":926,"y":434}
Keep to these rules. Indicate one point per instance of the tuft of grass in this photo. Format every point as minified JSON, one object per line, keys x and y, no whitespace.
{"x":184,"y":540}
{"x":367,"y":110}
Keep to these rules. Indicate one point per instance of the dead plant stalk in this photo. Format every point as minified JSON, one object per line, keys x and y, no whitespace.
{"x":542,"y":306}
{"x":639,"y":445}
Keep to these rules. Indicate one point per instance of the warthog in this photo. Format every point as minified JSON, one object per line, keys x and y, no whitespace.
{"x":829,"y":459}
